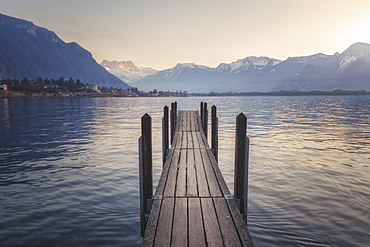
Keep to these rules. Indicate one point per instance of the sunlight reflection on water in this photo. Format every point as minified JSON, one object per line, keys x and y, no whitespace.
{"x":69,"y":168}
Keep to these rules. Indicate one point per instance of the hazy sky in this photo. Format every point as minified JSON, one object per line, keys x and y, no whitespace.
{"x":161,"y":33}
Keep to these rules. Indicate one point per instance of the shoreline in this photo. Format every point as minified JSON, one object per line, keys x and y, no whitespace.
{"x":11,"y":94}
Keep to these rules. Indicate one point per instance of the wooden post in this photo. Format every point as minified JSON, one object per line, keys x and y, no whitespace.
{"x":214,"y":132}
{"x":165,"y":133}
{"x":205,"y":119}
{"x":241,"y":164}
{"x":201,"y":111}
{"x":145,"y":170}
{"x":172,"y":119}
{"x":175,"y":117}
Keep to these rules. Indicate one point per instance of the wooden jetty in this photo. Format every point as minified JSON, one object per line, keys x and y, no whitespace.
{"x":192,"y":205}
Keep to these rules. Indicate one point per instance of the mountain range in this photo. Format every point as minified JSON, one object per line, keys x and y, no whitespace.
{"x":349,"y":70}
{"x":27,"y":50}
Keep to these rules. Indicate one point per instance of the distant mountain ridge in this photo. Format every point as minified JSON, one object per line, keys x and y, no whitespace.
{"x":27,"y":50}
{"x":127,"y":70}
{"x":347,"y":71}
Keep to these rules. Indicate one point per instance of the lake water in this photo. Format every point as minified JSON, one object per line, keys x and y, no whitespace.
{"x":69,"y":168}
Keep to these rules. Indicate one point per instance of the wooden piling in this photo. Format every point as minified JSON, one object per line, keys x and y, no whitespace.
{"x":205,"y":119}
{"x":175,"y":116}
{"x":214,"y":131}
{"x":241,"y":164}
{"x":145,"y":170}
{"x":165,"y":134}
{"x":172,"y":119}
{"x":201,"y":112}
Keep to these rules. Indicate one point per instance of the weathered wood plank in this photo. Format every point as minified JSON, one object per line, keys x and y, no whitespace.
{"x":203,"y":189}
{"x":228,"y":231}
{"x":196,"y":227}
{"x":192,"y":122}
{"x":181,"y":175}
{"x":202,"y":141}
{"x":214,"y":187}
{"x":190,"y":140}
{"x":176,"y":143}
{"x":191,"y":183}
{"x":220,"y":178}
{"x":184,"y":143}
{"x":152,"y":224}
{"x":180,"y":223}
{"x":195,"y":140}
{"x":169,"y":190}
{"x":186,"y":121}
{"x":240,"y":224}
{"x":163,"y":179}
{"x":211,"y":226}
{"x":179,"y":121}
{"x":164,"y":229}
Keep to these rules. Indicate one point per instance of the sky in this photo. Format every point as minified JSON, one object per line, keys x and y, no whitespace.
{"x":162,"y":33}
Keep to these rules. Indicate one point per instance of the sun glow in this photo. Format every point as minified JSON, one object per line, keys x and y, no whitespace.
{"x":356,"y":31}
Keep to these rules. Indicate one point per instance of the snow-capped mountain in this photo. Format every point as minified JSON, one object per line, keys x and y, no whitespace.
{"x":250,"y":64}
{"x":127,"y":70}
{"x":184,"y":76}
{"x":349,"y":70}
{"x":27,"y":50}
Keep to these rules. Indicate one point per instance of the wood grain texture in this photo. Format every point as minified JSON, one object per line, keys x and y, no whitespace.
{"x":164,"y":228}
{"x":180,"y":223}
{"x":211,"y":226}
{"x":227,"y":227}
{"x":196,"y":227}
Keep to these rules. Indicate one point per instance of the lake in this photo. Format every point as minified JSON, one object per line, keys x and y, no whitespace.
{"x":69,"y":168}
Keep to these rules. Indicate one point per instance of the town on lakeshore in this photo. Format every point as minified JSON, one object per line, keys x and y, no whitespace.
{"x":25,"y":88}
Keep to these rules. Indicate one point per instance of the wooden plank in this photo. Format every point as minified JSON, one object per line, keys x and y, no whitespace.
{"x":192,"y":185}
{"x":186,"y":122}
{"x":196,"y":228}
{"x":220,"y":178}
{"x":203,"y":190}
{"x":190,"y":139}
{"x":177,"y":140}
{"x":195,"y":140}
{"x":181,"y":119}
{"x":192,"y":121}
{"x":211,"y":226}
{"x":169,"y":190}
{"x":163,"y":179}
{"x":151,"y":226}
{"x":181,"y":175}
{"x":164,"y":228}
{"x":214,"y":187}
{"x":184,"y":142}
{"x":179,"y":123}
{"x":202,"y":141}
{"x":240,"y":224}
{"x":180,"y":223}
{"x":228,"y":231}
{"x":195,"y":121}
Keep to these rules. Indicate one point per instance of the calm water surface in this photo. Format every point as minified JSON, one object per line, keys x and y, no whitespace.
{"x":69,"y":168}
